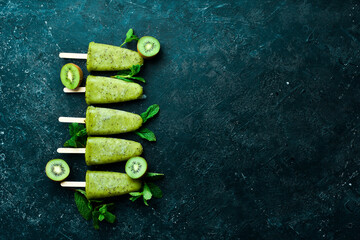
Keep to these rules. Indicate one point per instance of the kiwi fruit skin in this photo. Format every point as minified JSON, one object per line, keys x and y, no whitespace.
{"x":141,"y":50}
{"x":136,"y":173}
{"x":56,"y":165}
{"x":64,"y":73}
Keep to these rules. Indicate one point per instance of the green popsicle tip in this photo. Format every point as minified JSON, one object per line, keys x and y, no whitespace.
{"x":136,"y":167}
{"x":57,"y":169}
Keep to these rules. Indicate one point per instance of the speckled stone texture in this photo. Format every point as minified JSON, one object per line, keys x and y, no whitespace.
{"x":258,"y":133}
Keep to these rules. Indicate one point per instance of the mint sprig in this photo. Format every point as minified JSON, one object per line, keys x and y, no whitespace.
{"x":128,"y":75}
{"x":78,"y":136}
{"x":93,"y":209}
{"x":149,"y":190}
{"x":130,"y":36}
{"x":144,"y":132}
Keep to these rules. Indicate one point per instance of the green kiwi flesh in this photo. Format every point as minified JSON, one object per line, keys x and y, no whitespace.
{"x":136,"y":167}
{"x":148,"y":47}
{"x":71,"y":75}
{"x":57,"y":169}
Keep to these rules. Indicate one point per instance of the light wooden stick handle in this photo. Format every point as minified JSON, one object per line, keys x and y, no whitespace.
{"x":71,"y":120}
{"x":77,"y":90}
{"x":72,"y":184}
{"x":73,"y":55}
{"x":71,"y":150}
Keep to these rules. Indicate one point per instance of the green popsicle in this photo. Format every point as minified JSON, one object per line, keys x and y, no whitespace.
{"x":100,"y":150}
{"x":100,"y":90}
{"x":106,"y":121}
{"x":103,"y":57}
{"x":101,"y":184}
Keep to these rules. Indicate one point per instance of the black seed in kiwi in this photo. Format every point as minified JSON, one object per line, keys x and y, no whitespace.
{"x":148,"y":47}
{"x":136,"y":167}
{"x":71,"y":75}
{"x":57,"y":169}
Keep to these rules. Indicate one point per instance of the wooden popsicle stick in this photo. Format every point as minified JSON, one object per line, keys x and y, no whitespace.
{"x":72,"y":184}
{"x":71,"y":150}
{"x":73,"y":55}
{"x":77,"y":90}
{"x":71,"y":120}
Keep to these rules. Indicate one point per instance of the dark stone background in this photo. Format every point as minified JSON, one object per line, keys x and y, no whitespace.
{"x":258,"y":133}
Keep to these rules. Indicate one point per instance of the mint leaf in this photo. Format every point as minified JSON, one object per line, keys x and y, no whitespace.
{"x":146,"y":134}
{"x":71,"y":142}
{"x":147,"y":193}
{"x":135,"y":194}
{"x":155,"y":190}
{"x":101,"y":217}
{"x":154,"y":176}
{"x":150,"y":112}
{"x":135,"y":69}
{"x":133,"y":199}
{"x":81,"y":191}
{"x":146,"y":203}
{"x":109,"y":217}
{"x":95,"y":217}
{"x":82,"y":204}
{"x":139,"y":79}
{"x":103,"y":209}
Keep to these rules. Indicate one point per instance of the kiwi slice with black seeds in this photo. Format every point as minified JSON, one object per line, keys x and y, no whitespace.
{"x":136,"y":167}
{"x":57,"y":169}
{"x":71,"y":75}
{"x":148,"y":47}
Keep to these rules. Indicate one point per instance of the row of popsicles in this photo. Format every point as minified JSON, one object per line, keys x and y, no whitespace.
{"x":104,"y":121}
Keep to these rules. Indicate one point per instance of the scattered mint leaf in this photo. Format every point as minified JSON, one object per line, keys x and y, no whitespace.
{"x":136,"y":194}
{"x":78,"y":136}
{"x":147,"y":193}
{"x":130,"y":36}
{"x":95,"y":217}
{"x":146,"y":134}
{"x":82,"y":205}
{"x":155,"y":190}
{"x":145,"y":201}
{"x":101,"y":217}
{"x":109,"y":217}
{"x":150,"y":112}
{"x":138,"y":78}
{"x":133,"y":199}
{"x":124,"y":79}
{"x":127,"y":75}
{"x":154,"y":176}
{"x":103,"y":209}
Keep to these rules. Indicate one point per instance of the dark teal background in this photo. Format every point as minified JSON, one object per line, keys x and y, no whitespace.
{"x":258,"y":134}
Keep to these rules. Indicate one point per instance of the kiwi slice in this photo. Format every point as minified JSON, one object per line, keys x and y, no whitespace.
{"x":136,"y":167}
{"x":148,"y":47}
{"x":57,"y":169}
{"x":71,"y":75}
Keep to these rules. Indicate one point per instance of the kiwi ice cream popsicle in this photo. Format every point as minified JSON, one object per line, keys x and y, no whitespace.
{"x":103,"y":57}
{"x":100,"y":150}
{"x":101,"y":90}
{"x":106,"y":121}
{"x":101,"y":184}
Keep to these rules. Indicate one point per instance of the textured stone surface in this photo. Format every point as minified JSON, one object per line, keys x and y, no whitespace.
{"x":259,"y":127}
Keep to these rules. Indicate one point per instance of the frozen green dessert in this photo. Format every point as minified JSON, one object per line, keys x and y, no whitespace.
{"x":100,"y":90}
{"x":101,"y":184}
{"x":103,"y":57}
{"x":106,"y":121}
{"x":100,"y":150}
